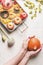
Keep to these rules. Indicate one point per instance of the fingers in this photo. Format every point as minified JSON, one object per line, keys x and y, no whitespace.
{"x":38,"y":50}
{"x":25,"y":44}
{"x":34,"y":53}
{"x":26,"y":41}
{"x":41,"y":46}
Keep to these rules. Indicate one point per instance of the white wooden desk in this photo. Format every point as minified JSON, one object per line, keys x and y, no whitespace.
{"x":35,"y":27}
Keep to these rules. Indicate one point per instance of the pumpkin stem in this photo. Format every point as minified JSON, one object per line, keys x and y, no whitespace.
{"x":31,"y":37}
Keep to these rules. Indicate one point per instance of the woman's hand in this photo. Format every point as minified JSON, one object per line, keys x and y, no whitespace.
{"x":25,"y":44}
{"x":33,"y":53}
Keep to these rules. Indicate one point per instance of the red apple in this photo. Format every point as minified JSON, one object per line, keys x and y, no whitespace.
{"x":0,"y":1}
{"x":7,"y":4}
{"x":23,"y":15}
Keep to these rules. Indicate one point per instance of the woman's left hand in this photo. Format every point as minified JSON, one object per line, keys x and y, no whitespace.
{"x":25,"y":44}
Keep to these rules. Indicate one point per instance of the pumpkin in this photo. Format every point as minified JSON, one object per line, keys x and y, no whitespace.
{"x":33,"y":44}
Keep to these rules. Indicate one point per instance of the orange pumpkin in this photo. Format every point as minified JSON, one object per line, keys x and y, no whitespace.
{"x":33,"y":44}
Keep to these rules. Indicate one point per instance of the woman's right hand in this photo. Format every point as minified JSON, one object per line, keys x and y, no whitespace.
{"x":33,"y":53}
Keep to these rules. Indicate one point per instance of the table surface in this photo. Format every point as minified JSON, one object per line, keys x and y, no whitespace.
{"x":35,"y":27}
